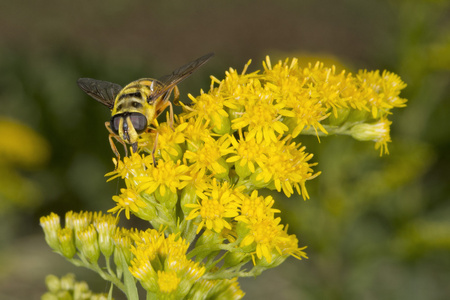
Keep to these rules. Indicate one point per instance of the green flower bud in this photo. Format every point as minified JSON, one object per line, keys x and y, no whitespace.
{"x":277,"y":260}
{"x":221,"y":161}
{"x":221,"y":124}
{"x":148,"y":212}
{"x":51,"y":226}
{"x":89,"y":244}
{"x":49,"y":296}
{"x":176,"y":152}
{"x":357,"y":116}
{"x":166,"y":197}
{"x":67,"y":242}
{"x":81,"y":290}
{"x":188,"y":196}
{"x":242,"y":171}
{"x":122,"y":242}
{"x":258,"y":182}
{"x":53,"y":284}
{"x":106,"y":226}
{"x":342,"y":115}
{"x":68,"y":282}
{"x":233,"y":259}
{"x":370,"y":132}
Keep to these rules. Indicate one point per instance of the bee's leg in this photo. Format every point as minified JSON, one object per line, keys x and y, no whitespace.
{"x":155,"y":144}
{"x":171,"y":115}
{"x":111,"y":142}
{"x":176,"y":101}
{"x":176,"y":96}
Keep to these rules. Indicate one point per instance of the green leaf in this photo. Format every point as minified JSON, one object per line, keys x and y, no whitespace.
{"x":130,"y":284}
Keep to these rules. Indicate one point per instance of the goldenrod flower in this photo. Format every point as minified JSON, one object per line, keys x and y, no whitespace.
{"x":168,"y":141}
{"x":210,"y":108}
{"x":263,"y":117}
{"x":129,"y":167}
{"x":286,"y":167}
{"x":166,"y":176}
{"x":196,"y":131}
{"x":255,"y":207}
{"x":155,"y":253}
{"x":217,"y":206}
{"x":263,"y":233}
{"x":235,"y":139}
{"x":210,"y":155}
{"x":128,"y":200}
{"x":167,"y":281}
{"x":249,"y":154}
{"x":381,"y":91}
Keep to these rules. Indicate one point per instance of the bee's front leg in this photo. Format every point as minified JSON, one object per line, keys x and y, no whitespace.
{"x":117,"y":138}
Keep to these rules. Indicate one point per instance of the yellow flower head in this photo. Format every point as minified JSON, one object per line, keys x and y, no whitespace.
{"x":128,"y":201}
{"x":160,"y":263}
{"x":210,"y":155}
{"x":381,"y":91}
{"x":256,"y":207}
{"x":167,"y":175}
{"x":249,"y":153}
{"x":129,"y":167}
{"x":168,"y":141}
{"x":264,"y":234}
{"x":217,"y":206}
{"x":287,"y":167}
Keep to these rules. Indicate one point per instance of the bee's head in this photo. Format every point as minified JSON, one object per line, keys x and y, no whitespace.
{"x":128,"y":125}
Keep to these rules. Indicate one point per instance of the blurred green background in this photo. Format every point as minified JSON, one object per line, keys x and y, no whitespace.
{"x":376,"y":228}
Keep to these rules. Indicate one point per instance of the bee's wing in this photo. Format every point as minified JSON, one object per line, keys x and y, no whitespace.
{"x":169,"y":81}
{"x":103,"y":91}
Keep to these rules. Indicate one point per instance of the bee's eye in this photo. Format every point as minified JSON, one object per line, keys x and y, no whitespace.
{"x":139,"y":122}
{"x":115,"y":123}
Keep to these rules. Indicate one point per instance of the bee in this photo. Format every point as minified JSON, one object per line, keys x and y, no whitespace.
{"x":138,"y":104}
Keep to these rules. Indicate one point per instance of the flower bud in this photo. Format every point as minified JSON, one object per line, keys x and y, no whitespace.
{"x":342,"y":115}
{"x":53,"y":283}
{"x":105,"y":225}
{"x":221,"y":124}
{"x":221,"y":161}
{"x":166,"y":197}
{"x":370,"y":132}
{"x":257,"y":180}
{"x":51,"y":225}
{"x":68,"y":282}
{"x":243,"y":171}
{"x":233,"y":259}
{"x":89,"y":244}
{"x":67,"y":242}
{"x":188,"y":196}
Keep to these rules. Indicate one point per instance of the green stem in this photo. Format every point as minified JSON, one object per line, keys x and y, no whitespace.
{"x":82,"y":262}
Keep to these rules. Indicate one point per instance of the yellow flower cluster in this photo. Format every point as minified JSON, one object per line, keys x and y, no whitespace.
{"x":200,"y":186}
{"x":160,"y":263}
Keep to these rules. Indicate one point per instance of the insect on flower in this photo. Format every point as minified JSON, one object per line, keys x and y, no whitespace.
{"x":138,"y":104}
